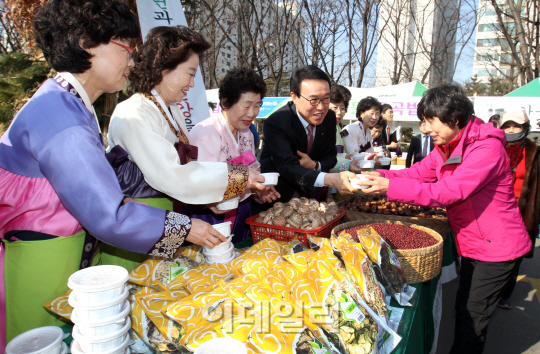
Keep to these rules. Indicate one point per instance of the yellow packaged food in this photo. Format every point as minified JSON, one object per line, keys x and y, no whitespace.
{"x":194,"y":252}
{"x":260,"y":265}
{"x":160,"y":271}
{"x":299,"y":260}
{"x":293,"y":246}
{"x":181,"y":280}
{"x":316,"y":242}
{"x":362,"y":272}
{"x":60,"y":306}
{"x":267,"y":247}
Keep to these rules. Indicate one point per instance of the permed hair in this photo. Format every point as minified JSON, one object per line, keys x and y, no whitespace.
{"x":165,"y":48}
{"x":366,"y":104}
{"x":339,"y":93}
{"x":385,"y":107}
{"x":63,"y":29}
{"x":449,"y":103}
{"x":239,"y":81}
{"x":309,"y":72}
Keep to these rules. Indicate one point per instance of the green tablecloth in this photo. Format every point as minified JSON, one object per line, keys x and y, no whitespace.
{"x":419,"y":326}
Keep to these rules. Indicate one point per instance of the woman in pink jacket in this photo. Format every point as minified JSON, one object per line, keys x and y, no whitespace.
{"x":468,"y":173}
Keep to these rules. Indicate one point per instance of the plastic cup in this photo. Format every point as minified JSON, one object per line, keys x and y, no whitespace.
{"x":385,"y":161}
{"x":98,"y":284}
{"x":357,"y":182}
{"x":222,"y":247}
{"x":228,"y":204}
{"x":270,"y":178}
{"x":98,"y":344}
{"x":103,"y":326}
{"x":89,"y":312}
{"x":42,"y":340}
{"x":222,"y":346}
{"x":120,"y":349}
{"x":404,"y":155}
{"x":223,"y":228}
{"x":393,"y":153}
{"x":366,"y":164}
{"x":219,"y":257}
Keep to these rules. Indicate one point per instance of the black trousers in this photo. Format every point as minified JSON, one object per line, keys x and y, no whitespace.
{"x":480,"y":287}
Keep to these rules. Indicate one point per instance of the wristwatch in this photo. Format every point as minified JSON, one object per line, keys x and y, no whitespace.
{"x":317,"y":165}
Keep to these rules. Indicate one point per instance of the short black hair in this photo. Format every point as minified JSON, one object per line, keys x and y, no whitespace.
{"x":339,"y":93}
{"x":449,"y":103}
{"x":366,"y":104}
{"x":238,"y":81}
{"x":495,"y":119}
{"x":165,"y":48}
{"x":386,"y":107}
{"x":309,"y":72}
{"x":380,"y":123}
{"x":62,"y":26}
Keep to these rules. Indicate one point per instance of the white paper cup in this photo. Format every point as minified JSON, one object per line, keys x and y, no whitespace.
{"x":222,"y":346}
{"x":228,"y":204}
{"x":98,"y":344}
{"x":357,"y":182}
{"x":41,"y":340}
{"x":103,"y":326}
{"x":223,"y":228}
{"x":366,"y":163}
{"x":219,"y":257}
{"x":360,"y":156}
{"x":404,"y":155}
{"x":270,"y":178}
{"x":385,"y":161}
{"x":98,"y":284}
{"x":121,"y":349}
{"x":222,"y":247}
{"x":392,"y":153}
{"x":88,"y":312}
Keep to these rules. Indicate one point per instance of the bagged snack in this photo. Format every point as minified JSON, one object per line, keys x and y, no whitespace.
{"x":293,"y":246}
{"x":362,"y":272}
{"x":267,"y":247}
{"x":299,"y":260}
{"x":60,"y":306}
{"x":194,"y":252}
{"x":203,"y":278}
{"x":316,"y":242}
{"x":161,"y":270}
{"x":389,"y":270}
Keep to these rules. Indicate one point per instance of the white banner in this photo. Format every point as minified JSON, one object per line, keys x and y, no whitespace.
{"x":485,"y":107}
{"x":154,"y":13}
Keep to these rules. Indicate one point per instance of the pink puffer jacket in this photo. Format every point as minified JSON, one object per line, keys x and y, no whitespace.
{"x":475,"y":186}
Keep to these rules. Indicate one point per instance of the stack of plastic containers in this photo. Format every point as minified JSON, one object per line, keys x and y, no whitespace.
{"x":224,"y":252}
{"x":100,"y":310}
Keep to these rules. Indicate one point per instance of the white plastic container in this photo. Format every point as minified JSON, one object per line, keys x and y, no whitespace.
{"x":360,"y":156}
{"x":366,"y":163}
{"x":94,"y":285}
{"x":219,"y":257}
{"x":103,"y":326}
{"x":357,"y":182}
{"x":404,"y":155}
{"x":222,"y":346}
{"x":228,"y":204}
{"x":121,"y":349}
{"x":377,"y":149}
{"x":270,"y":178}
{"x":98,"y":344}
{"x":42,"y":340}
{"x":65,"y":348}
{"x":392,"y":153}
{"x":222,"y":247}
{"x":88,"y":312}
{"x":223,"y":228}
{"x":385,"y":161}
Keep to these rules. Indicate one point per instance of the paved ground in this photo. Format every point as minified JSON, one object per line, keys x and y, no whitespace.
{"x":510,"y":331}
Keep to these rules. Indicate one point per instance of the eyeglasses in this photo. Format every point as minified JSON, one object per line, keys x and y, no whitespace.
{"x":316,"y":101}
{"x":129,"y":49}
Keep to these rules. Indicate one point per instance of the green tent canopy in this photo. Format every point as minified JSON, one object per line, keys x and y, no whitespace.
{"x":532,"y":89}
{"x":419,"y":89}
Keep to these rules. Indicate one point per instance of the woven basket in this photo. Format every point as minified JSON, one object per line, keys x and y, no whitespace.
{"x":421,"y":264}
{"x":440,"y":226}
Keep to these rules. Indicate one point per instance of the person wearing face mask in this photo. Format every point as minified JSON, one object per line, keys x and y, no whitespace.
{"x":357,"y":136}
{"x":525,"y":167}
{"x":227,"y":138}
{"x":469,"y":174}
{"x":150,"y":128}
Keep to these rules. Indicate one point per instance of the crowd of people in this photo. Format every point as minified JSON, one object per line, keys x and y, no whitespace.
{"x":62,"y":188}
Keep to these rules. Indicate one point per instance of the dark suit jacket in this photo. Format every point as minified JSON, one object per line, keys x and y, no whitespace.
{"x":284,"y":134}
{"x":416,"y":149}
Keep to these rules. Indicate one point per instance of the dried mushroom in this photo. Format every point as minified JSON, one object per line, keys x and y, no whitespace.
{"x":287,"y":211}
{"x":296,"y":218}
{"x":279,"y":221}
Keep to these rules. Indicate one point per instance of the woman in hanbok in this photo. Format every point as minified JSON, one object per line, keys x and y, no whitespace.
{"x":55,"y":181}
{"x":227,"y":138}
{"x":357,"y":136}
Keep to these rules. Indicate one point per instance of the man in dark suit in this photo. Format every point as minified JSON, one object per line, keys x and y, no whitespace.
{"x":300,"y":139}
{"x":421,"y":146}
